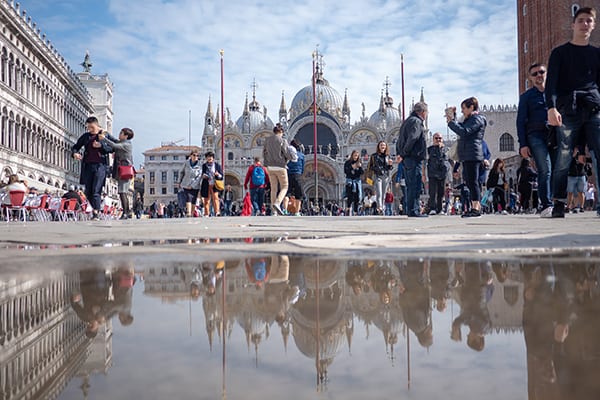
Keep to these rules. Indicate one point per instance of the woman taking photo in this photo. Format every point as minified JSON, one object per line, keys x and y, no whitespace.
{"x":211,"y":171}
{"x":190,"y":178}
{"x":378,"y":171}
{"x":353,"y":170}
{"x":470,"y":148}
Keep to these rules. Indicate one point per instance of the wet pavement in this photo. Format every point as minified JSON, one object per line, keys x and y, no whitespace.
{"x":297,"y":308}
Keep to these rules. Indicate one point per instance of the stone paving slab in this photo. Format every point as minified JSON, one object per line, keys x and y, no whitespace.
{"x":490,"y":235}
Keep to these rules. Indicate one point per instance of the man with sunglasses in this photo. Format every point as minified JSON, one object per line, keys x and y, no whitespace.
{"x":533,"y":131}
{"x":437,"y":172}
{"x":573,"y":101}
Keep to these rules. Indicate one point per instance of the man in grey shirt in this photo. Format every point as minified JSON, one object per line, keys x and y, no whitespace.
{"x":276,"y":154}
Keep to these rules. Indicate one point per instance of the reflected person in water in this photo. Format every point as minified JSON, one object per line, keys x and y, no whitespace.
{"x":415,"y":292}
{"x":475,"y":293}
{"x":91,"y":301}
{"x":578,"y":331}
{"x":539,"y":305}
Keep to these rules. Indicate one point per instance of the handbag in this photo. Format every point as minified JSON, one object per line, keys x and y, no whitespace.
{"x":219,"y":185}
{"x":126,"y":172}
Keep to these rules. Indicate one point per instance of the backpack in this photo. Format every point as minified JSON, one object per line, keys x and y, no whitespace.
{"x":258,"y":176}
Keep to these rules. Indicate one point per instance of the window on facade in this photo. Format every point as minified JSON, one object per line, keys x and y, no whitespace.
{"x":151,"y":158}
{"x":151,"y":190}
{"x":175,"y":176}
{"x":175,"y":190}
{"x":507,"y":142}
{"x":163,"y":177}
{"x":175,"y":158}
{"x":163,"y":158}
{"x":151,"y":176}
{"x":164,"y":190}
{"x":230,"y":156}
{"x":524,"y":9}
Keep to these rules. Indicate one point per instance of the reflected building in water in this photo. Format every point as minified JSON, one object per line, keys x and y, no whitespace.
{"x":322,"y":308}
{"x":42,"y":341}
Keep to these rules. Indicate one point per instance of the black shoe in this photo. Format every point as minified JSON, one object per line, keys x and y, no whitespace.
{"x":559,"y":210}
{"x":472,"y":214}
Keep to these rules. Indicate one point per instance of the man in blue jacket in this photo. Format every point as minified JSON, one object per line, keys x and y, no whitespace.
{"x":532,"y":129}
{"x":411,"y":147}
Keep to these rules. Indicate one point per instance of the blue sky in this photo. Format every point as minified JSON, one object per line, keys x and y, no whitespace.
{"x":163,"y":55}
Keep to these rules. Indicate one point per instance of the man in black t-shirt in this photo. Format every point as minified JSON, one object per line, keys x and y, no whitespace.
{"x":573,"y":101}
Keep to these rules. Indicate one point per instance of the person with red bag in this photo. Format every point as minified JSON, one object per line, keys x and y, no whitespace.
{"x":122,"y":169}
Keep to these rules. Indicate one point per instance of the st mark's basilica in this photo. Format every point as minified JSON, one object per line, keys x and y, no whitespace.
{"x":337,"y":137}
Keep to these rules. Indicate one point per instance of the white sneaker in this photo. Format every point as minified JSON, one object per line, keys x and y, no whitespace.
{"x":546,"y":212}
{"x":277,"y":209}
{"x":432,"y":212}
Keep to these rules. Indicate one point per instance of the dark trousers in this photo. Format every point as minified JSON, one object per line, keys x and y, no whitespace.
{"x":470,"y":174}
{"x":94,"y":179}
{"x":436,"y":194}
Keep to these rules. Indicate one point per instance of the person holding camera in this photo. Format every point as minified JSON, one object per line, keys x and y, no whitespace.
{"x":437,"y":172}
{"x":469,"y":147}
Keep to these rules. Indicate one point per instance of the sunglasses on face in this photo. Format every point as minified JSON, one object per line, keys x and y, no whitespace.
{"x":437,"y":138}
{"x":540,"y":72}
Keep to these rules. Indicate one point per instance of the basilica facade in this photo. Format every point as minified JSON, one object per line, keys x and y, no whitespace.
{"x":337,"y":136}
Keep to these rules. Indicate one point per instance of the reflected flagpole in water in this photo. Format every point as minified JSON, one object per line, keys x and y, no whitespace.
{"x":408,"y":357}
{"x":318,"y":335}
{"x":224,"y":335}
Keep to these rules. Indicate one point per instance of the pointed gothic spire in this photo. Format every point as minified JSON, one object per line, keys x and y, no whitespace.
{"x":209,"y":111}
{"x":246,"y":107}
{"x":346,"y":106}
{"x":282,"y":106}
{"x":382,"y":103}
{"x":422,"y":99}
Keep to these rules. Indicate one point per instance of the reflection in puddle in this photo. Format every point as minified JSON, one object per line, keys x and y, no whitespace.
{"x":295,"y":325}
{"x":142,"y":243}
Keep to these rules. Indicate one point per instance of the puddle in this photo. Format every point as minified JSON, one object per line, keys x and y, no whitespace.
{"x":5,"y":245}
{"x":278,"y":326}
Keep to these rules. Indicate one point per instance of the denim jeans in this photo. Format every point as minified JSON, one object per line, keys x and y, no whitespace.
{"x":596,"y":166}
{"x":94,"y":179}
{"x":581,"y":123}
{"x":413,"y":175}
{"x":257,"y":195}
{"x":541,"y":155}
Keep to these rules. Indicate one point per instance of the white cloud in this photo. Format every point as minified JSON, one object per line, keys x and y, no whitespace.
{"x":163,"y":55}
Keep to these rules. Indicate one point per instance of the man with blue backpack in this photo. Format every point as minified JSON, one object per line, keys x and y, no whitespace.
{"x":258,"y":178}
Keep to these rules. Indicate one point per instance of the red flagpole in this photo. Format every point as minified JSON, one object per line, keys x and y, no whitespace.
{"x":314,"y":88}
{"x":402,"y":75}
{"x":222,"y":117}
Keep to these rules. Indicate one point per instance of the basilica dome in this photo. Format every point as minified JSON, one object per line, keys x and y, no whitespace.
{"x":328,"y":99}
{"x":387,"y":116}
{"x":253,"y":118}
